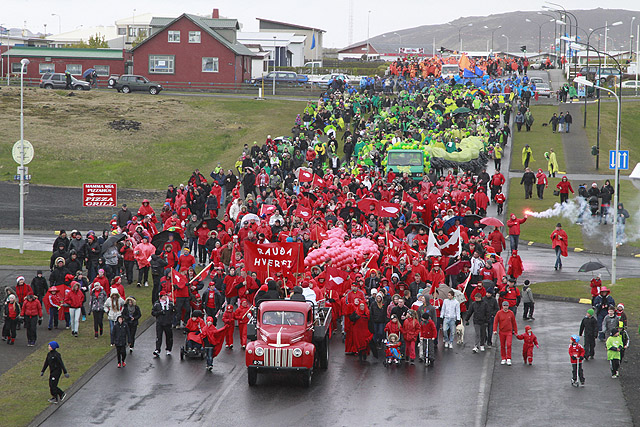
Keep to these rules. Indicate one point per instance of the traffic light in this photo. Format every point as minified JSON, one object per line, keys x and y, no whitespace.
{"x":523,"y":49}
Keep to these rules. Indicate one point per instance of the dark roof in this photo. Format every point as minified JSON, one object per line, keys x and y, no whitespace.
{"x":302,"y":27}
{"x":203,"y":23}
{"x":210,"y":22}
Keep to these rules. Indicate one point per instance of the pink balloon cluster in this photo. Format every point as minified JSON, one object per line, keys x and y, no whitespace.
{"x":341,"y":253}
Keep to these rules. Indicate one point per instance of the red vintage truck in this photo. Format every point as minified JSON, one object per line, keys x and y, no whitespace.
{"x":288,"y":336}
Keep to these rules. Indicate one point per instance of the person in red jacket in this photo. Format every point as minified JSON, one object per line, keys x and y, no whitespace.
{"x":73,"y":300}
{"x":564,"y":186}
{"x":243,"y":315}
{"x":229,"y":325}
{"x":32,"y":314}
{"x":203,"y":236}
{"x":11,"y":313}
{"x":514,"y":230}
{"x":186,"y":261}
{"x":212,"y":339}
{"x":146,"y":209}
{"x":482,"y":201}
{"x":541,"y":183}
{"x":527,"y":347}
{"x":129,"y":259}
{"x":497,"y":181}
{"x":514,"y":265}
{"x":576,"y":353}
{"x":411,"y":331}
{"x":500,"y":199}
{"x":496,"y":240}
{"x":560,"y":243}
{"x":22,"y":289}
{"x":230,"y":282}
{"x":505,"y":323}
{"x":194,"y":330}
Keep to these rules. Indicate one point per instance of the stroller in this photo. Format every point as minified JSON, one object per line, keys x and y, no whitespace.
{"x":392,"y":352}
{"x":193,"y":347}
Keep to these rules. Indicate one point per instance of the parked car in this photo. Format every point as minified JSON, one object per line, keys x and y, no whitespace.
{"x":282,"y":77}
{"x":631,"y":84}
{"x":605,"y":73}
{"x":326,"y":78}
{"x":59,"y":81}
{"x":536,"y":80}
{"x":543,"y":89}
{"x":131,"y":83}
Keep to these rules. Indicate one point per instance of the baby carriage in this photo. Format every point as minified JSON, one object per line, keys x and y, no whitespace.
{"x":427,"y":351}
{"x":392,"y":352}
{"x":193,"y":347}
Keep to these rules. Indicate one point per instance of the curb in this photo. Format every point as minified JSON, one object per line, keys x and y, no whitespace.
{"x":481,"y":418}
{"x":84,"y":378}
{"x":582,"y":250}
{"x":556,"y":298}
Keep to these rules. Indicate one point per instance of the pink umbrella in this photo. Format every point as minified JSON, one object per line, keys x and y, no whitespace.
{"x":491,"y":221}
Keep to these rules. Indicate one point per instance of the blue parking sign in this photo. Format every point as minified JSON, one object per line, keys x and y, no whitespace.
{"x":622,"y":159}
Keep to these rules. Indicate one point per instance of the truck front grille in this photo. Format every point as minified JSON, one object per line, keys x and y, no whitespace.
{"x":278,"y":357}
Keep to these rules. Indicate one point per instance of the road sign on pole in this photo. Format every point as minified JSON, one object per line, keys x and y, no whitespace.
{"x":103,"y":195}
{"x":622,"y":159}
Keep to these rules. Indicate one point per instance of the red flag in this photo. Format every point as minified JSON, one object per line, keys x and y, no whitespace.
{"x":317,"y":181}
{"x":202,"y":273}
{"x":387,"y":210}
{"x":304,"y":213}
{"x":453,"y":247}
{"x":304,"y":175}
{"x":368,"y":206}
{"x":336,"y":279}
{"x":178,"y":279}
{"x":408,"y":199}
{"x":267,"y":210}
{"x":412,"y":252}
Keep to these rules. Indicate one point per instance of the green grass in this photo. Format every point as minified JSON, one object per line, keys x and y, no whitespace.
{"x":539,"y":229}
{"x":29,"y":392}
{"x":624,"y":291}
{"x":630,"y":123}
{"x":540,"y":138}
{"x":177,"y":135}
{"x":13,"y":257}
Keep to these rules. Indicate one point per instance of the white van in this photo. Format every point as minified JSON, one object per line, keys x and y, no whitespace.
{"x":450,"y":70}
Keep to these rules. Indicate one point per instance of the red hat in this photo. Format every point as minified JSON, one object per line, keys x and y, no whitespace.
{"x":163,"y":293}
{"x":264,"y":288}
{"x":69,"y":277}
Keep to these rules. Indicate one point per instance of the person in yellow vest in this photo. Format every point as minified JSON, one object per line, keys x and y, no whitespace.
{"x":552,"y":163}
{"x":497,"y":156}
{"x":527,"y":156}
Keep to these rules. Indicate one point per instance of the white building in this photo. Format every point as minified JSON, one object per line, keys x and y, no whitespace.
{"x":134,"y":26}
{"x":287,"y":49}
{"x":83,"y":34}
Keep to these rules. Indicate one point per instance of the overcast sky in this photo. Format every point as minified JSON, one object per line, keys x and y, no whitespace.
{"x":329,"y":15}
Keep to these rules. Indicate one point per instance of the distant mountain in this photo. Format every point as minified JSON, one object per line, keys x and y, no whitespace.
{"x":514,"y":25}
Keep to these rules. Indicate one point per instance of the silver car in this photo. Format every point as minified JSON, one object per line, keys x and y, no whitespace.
{"x":543,"y":89}
{"x":59,"y":81}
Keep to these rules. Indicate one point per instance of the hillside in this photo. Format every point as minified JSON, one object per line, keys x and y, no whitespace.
{"x":514,"y":26}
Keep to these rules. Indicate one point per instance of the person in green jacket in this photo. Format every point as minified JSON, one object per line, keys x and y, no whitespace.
{"x":614,"y":345}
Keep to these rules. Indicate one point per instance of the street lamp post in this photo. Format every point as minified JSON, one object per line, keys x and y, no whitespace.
{"x":540,"y":30}
{"x":631,"y":39}
{"x":616,"y":193}
{"x":23,"y":63}
{"x":493,"y":30}
{"x":275,"y":55}
{"x":368,"y":21}
{"x":506,"y":37}
{"x":59,"y":22}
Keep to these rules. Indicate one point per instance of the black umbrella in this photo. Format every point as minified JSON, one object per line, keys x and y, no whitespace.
{"x":112,"y":240}
{"x":213,"y":223}
{"x":590,"y":266}
{"x":470,"y":219}
{"x":417,"y":225}
{"x":309,"y":195}
{"x":161,"y":238}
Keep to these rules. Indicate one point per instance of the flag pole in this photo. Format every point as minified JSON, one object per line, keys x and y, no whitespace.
{"x":201,"y":271}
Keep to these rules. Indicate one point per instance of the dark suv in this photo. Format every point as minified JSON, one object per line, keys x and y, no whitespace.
{"x":130,"y":83}
{"x":59,"y":81}
{"x":282,"y":78}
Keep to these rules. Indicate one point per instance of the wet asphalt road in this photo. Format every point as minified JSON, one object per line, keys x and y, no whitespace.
{"x":462,"y":389}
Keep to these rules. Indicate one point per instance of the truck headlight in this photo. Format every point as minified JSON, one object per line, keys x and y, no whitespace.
{"x":259,"y":351}
{"x":297,"y":352}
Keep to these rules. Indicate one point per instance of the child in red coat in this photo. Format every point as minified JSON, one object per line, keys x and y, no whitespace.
{"x":242,"y":315}
{"x":515,"y":267}
{"x":576,"y":353}
{"x":529,"y":341}
{"x":500,"y":199}
{"x":230,"y":324}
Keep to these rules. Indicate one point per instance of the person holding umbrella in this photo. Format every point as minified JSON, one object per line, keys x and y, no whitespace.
{"x":560,"y":243}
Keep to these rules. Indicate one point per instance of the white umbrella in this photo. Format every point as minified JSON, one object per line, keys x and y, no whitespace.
{"x":249,"y":217}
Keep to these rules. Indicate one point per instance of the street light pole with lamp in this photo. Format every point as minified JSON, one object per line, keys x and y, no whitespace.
{"x":493,"y":30}
{"x":540,"y":31}
{"x":368,"y":21}
{"x":23,"y":63}
{"x":631,"y":39}
{"x":506,"y":37}
{"x":616,"y":193}
{"x":59,"y":22}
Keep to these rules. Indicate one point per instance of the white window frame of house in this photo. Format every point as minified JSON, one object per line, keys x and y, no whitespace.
{"x":46,"y":67}
{"x":16,"y":68}
{"x":106,"y":70}
{"x":169,"y":65}
{"x":194,"y":36}
{"x":214,"y":61}
{"x":74,"y":72}
{"x":122,"y":31}
{"x":133,"y":32}
{"x":173,"y":36}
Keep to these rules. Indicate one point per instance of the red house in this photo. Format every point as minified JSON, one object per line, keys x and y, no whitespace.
{"x":193,"y":49}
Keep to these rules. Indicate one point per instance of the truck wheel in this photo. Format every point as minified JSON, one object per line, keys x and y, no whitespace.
{"x":306,"y":378}
{"x":153,"y":90}
{"x":126,"y":89}
{"x":112,"y":82}
{"x":252,"y":376}
{"x":323,"y":354}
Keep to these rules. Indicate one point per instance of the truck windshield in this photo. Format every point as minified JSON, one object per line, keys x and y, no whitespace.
{"x":403,"y":158}
{"x":292,"y":318}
